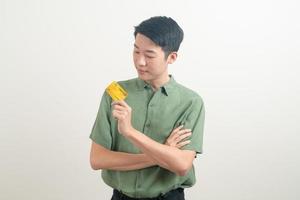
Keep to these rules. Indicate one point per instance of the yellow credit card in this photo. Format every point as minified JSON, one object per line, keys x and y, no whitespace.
{"x":116,"y":91}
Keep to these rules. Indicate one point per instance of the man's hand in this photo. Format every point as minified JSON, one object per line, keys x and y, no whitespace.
{"x":122,"y":112}
{"x":178,"y":136}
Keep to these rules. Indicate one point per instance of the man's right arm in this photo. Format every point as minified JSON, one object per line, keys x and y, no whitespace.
{"x":102,"y":158}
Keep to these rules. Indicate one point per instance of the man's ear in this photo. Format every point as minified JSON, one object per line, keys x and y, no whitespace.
{"x":172,"y":57}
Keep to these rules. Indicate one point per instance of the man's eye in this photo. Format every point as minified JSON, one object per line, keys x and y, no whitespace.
{"x":149,"y":57}
{"x":136,"y":52}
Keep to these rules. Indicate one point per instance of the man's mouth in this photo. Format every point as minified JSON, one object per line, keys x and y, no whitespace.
{"x":142,"y":71}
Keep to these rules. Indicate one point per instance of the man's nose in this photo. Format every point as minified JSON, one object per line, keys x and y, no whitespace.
{"x":140,"y":60}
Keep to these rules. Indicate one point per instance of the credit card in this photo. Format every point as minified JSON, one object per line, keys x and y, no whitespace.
{"x":116,"y":92}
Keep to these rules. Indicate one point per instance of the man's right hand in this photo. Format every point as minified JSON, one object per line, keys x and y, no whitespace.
{"x":178,"y":136}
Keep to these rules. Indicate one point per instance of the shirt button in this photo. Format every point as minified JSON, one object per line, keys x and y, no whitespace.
{"x":151,"y":105}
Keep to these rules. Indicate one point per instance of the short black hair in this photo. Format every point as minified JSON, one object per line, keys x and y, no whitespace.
{"x":163,"y":31}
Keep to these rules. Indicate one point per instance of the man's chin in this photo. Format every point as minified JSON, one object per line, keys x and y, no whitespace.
{"x":144,"y":78}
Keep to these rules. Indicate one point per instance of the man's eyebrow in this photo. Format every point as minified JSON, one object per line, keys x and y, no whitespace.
{"x":148,"y":51}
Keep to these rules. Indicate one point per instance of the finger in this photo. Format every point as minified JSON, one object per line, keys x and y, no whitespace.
{"x":181,"y":144}
{"x":183,"y":136}
{"x":115,"y":113}
{"x":175,"y":135}
{"x":176,"y":130}
{"x":118,"y":107}
{"x":183,"y":131}
{"x":114,"y":102}
{"x":123,"y":103}
{"x":118,"y":114}
{"x":118,"y":111}
{"x":117,"y":102}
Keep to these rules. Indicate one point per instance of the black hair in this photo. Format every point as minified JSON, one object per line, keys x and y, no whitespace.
{"x":163,"y":31}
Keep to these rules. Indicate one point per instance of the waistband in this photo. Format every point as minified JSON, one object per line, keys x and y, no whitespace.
{"x":174,"y":192}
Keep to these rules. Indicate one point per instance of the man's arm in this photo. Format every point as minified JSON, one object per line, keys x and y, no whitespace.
{"x":102,"y":158}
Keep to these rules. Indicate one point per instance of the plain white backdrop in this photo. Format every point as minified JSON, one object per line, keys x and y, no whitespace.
{"x":242,"y":57}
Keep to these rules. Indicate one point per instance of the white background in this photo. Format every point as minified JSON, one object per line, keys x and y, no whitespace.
{"x":57,"y":57}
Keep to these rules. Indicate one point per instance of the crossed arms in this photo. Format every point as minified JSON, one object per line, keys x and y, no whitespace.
{"x":168,"y":155}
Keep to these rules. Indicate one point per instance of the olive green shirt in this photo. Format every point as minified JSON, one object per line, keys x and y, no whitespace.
{"x":155,"y":114}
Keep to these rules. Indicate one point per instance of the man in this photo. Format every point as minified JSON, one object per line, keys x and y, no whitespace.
{"x":146,"y":144}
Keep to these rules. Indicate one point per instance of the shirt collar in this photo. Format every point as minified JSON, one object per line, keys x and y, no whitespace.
{"x":166,"y":88}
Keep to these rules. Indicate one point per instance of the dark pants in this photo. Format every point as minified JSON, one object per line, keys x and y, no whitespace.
{"x":177,"y":194}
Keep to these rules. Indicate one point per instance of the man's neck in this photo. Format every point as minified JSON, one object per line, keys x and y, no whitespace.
{"x":158,"y":83}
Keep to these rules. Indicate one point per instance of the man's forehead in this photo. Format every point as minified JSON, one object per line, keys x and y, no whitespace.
{"x":150,"y":50}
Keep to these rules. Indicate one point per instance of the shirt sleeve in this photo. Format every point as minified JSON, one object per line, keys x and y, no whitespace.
{"x":101,"y":131}
{"x":195,"y":121}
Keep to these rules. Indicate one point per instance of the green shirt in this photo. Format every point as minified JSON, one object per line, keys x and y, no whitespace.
{"x":155,"y":114}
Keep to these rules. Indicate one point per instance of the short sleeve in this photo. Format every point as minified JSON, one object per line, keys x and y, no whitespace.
{"x":195,"y":121}
{"x":101,"y":131}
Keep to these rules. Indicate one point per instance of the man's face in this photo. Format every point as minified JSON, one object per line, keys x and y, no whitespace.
{"x":149,"y":59}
